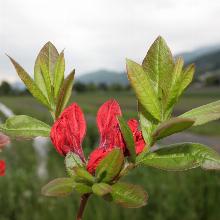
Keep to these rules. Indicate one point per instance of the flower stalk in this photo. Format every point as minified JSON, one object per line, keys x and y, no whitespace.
{"x":83,"y":202}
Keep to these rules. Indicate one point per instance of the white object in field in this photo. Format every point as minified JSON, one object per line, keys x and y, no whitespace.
{"x":40,"y":145}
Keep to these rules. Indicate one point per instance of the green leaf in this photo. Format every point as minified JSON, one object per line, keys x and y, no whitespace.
{"x":147,"y":123}
{"x":59,"y":187}
{"x":204,"y":113}
{"x":175,"y":85}
{"x":65,"y":93}
{"x":186,"y":77}
{"x":181,"y":79}
{"x":47,"y":59}
{"x":182,"y":156}
{"x":39,"y":79}
{"x":158,"y":64}
{"x":172,"y":126}
{"x":101,"y":189}
{"x":110,"y":166}
{"x":83,"y":175}
{"x":59,"y":74}
{"x":25,"y":126}
{"x":83,"y":188}
{"x":128,"y":195}
{"x":144,"y":89}
{"x":72,"y":161}
{"x":128,"y":137}
{"x":30,"y":84}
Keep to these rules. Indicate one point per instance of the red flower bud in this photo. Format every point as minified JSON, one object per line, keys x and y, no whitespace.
{"x":110,"y":133}
{"x":69,"y":130}
{"x":108,"y":125}
{"x":137,"y":134}
{"x":96,"y":157}
{"x":2,"y":167}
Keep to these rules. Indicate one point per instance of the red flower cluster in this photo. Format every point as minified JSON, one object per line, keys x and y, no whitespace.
{"x":69,"y":130}
{"x":2,"y":167}
{"x":3,"y":141}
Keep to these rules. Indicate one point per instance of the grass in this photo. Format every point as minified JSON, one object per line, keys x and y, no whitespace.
{"x":191,"y":195}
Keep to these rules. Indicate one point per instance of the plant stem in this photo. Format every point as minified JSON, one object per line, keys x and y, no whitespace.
{"x":82,"y":206}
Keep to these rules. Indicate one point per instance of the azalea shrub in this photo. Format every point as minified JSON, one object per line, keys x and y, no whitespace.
{"x":124,"y":145}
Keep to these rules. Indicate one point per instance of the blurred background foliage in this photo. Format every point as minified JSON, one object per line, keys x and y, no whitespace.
{"x":187,"y":195}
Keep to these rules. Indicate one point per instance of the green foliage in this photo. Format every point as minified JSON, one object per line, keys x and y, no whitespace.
{"x":101,"y":189}
{"x":83,"y":188}
{"x":72,"y":161}
{"x":65,"y":93}
{"x":23,"y":126}
{"x":128,"y":195}
{"x":144,"y":89}
{"x":158,"y":83}
{"x":59,"y":187}
{"x":172,"y":126}
{"x":128,"y":137}
{"x":182,"y":156}
{"x":83,"y":175}
{"x":30,"y":84}
{"x":48,"y":86}
{"x":204,"y":114}
{"x":110,"y":166}
{"x":59,"y":74}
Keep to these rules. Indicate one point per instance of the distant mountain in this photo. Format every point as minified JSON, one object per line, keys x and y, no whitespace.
{"x":207,"y":59}
{"x":104,"y":76}
{"x":192,"y":55}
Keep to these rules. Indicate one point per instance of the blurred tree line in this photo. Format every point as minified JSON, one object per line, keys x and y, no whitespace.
{"x":92,"y":87}
{"x":6,"y":89}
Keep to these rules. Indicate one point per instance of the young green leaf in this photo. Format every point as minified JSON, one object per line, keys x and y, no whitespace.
{"x":181,"y":81}
{"x":101,"y":189}
{"x":204,"y":113}
{"x":175,"y":85}
{"x":83,"y":175}
{"x":148,"y":124}
{"x":158,"y":64}
{"x":65,"y":93}
{"x":172,"y":126}
{"x":83,"y":188}
{"x":39,"y":79}
{"x":72,"y":161}
{"x":25,"y":126}
{"x":110,"y":166}
{"x":182,"y":156}
{"x":186,"y":77}
{"x":48,"y":57}
{"x":128,"y":137}
{"x":128,"y":195}
{"x":30,"y":84}
{"x":59,"y":74}
{"x":144,"y":89}
{"x":59,"y":187}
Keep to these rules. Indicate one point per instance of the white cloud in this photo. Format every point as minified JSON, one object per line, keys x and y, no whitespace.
{"x":101,"y":33}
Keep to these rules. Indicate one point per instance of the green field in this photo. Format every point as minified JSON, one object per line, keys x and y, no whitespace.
{"x":189,"y":195}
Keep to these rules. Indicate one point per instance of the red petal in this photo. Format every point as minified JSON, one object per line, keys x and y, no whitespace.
{"x":95,"y":158}
{"x":137,"y":134}
{"x":2,"y":167}
{"x":133,"y":124}
{"x":108,"y":125}
{"x":69,"y":130}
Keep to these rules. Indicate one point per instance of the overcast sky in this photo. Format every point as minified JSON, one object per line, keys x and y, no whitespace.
{"x":100,"y":34}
